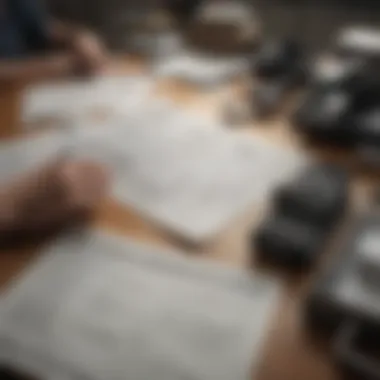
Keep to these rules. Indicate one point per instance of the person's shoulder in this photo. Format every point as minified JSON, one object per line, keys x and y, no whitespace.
{"x":25,"y":5}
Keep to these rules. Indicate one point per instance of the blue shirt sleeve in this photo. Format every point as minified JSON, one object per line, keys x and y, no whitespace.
{"x":34,"y":21}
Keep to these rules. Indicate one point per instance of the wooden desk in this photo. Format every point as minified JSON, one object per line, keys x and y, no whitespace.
{"x":289,"y":354}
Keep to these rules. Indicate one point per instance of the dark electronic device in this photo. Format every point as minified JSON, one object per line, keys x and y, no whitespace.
{"x":324,"y":115}
{"x":367,"y":137}
{"x":288,"y":242}
{"x":368,"y":127}
{"x":365,"y":93}
{"x":318,"y":197}
{"x":345,"y":300}
{"x":304,"y":212}
{"x":279,"y":66}
{"x":336,"y":98}
{"x":328,"y":113}
{"x":276,"y":59}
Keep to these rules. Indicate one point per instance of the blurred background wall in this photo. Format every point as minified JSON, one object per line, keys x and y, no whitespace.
{"x":310,"y":21}
{"x":314,"y":21}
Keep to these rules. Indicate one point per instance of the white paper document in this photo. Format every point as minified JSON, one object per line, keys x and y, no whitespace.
{"x":96,"y":306}
{"x":183,"y":173}
{"x":200,"y":70}
{"x":190,"y":176}
{"x":79,"y":99}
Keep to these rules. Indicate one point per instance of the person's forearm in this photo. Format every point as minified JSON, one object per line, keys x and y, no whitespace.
{"x":64,"y":35}
{"x":36,"y":68}
{"x":90,"y":54}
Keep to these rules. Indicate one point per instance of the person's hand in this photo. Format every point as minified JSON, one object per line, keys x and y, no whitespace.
{"x":89,"y":52}
{"x":55,"y":196}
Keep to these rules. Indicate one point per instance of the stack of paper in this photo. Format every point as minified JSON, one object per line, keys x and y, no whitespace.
{"x":98,"y":307}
